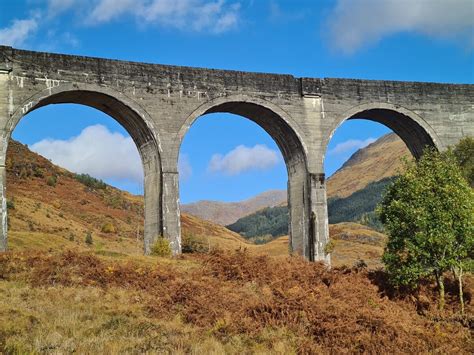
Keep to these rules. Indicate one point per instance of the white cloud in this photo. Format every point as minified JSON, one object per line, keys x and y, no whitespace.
{"x":191,"y":15}
{"x":184,"y":167}
{"x":279,"y":15}
{"x":350,"y":145}
{"x":18,"y":32}
{"x":106,"y":10}
{"x":97,"y":152}
{"x":356,"y":23}
{"x":56,"y":7}
{"x":243,"y":158}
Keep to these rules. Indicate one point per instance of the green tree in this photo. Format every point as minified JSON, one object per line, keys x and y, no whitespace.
{"x":428,"y":213}
{"x":464,"y":153}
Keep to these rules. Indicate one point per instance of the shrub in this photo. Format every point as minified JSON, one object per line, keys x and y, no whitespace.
{"x":108,"y":228}
{"x":23,"y":173}
{"x":161,"y":247}
{"x":10,"y":205}
{"x":52,"y":180}
{"x":191,"y":244}
{"x":89,"y":240}
{"x":38,"y":172}
{"x":330,"y":246}
{"x":90,"y":181}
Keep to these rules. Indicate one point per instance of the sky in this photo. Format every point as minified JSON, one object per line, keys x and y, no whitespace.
{"x":412,"y":40}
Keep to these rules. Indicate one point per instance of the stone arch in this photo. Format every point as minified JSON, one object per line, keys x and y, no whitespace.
{"x":135,"y":120}
{"x":288,"y":136}
{"x":409,"y":126}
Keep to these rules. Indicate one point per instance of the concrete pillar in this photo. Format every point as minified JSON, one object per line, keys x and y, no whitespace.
{"x":171,"y":211}
{"x":152,"y":194}
{"x":298,"y":211}
{"x":319,"y":227}
{"x":6,"y":108}
{"x":3,"y":210}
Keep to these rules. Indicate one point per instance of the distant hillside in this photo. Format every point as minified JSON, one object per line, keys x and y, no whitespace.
{"x":353,"y":191}
{"x":358,"y":207}
{"x":228,"y":212}
{"x":267,"y":221}
{"x":378,"y":160}
{"x":375,"y":162}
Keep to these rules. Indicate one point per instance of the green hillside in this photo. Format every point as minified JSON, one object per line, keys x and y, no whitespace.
{"x":268,"y":221}
{"x":358,"y":207}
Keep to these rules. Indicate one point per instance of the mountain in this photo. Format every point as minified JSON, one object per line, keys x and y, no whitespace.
{"x":353,"y":191}
{"x":224,"y":213}
{"x":271,"y":222}
{"x":375,"y":162}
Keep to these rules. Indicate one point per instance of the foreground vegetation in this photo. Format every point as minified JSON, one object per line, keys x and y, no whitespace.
{"x":428,"y":214}
{"x":219,"y":302}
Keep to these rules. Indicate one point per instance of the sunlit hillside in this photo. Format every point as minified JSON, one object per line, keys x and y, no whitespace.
{"x":51,"y":208}
{"x":377,"y":161}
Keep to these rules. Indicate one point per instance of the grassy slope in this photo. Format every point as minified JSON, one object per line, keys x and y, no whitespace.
{"x":379,"y":160}
{"x":47,"y":217}
{"x":217,"y":303}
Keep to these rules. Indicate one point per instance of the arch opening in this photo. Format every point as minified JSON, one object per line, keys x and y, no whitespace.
{"x":363,"y":156}
{"x":289,"y":144}
{"x":409,"y":130}
{"x":136,"y":124}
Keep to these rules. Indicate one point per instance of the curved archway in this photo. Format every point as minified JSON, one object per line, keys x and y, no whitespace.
{"x":410,"y":127}
{"x":130,"y":116}
{"x":365,"y":156}
{"x":288,"y":137}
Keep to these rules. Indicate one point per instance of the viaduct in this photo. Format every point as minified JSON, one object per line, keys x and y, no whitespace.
{"x":157,"y":104}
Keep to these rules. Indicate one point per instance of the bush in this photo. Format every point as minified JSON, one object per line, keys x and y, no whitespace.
{"x":161,"y":248}
{"x":89,"y":240}
{"x":191,"y":244}
{"x":90,"y":181}
{"x":51,"y":181}
{"x":108,"y":228}
{"x":38,"y":172}
{"x":10,"y":205}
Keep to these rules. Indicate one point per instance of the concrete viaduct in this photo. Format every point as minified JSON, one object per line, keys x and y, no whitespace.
{"x":157,"y":104}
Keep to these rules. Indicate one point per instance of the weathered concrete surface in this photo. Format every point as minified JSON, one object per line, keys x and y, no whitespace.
{"x":157,"y":104}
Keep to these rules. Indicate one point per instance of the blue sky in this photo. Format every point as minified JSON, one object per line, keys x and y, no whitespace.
{"x":424,"y":40}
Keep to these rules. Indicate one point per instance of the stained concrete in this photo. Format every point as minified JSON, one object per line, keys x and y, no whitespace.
{"x":157,"y":104}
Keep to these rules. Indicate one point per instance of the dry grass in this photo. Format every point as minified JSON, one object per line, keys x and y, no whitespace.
{"x":224,"y":302}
